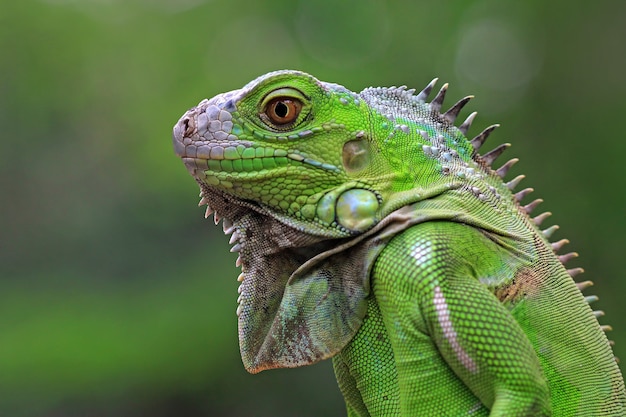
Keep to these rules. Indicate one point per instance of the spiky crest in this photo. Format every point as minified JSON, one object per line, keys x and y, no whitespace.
{"x":567,"y":257}
{"x":492,"y":155}
{"x":478,"y":140}
{"x":437,"y":102}
{"x":556,"y":246}
{"x":530,"y":207}
{"x":454,"y":111}
{"x":489,"y":158}
{"x":511,"y":185}
{"x":584,"y":285}
{"x":521,"y":194}
{"x":540,"y":218}
{"x":423,"y":95}
{"x":464,"y":127}
{"x":504,"y":169}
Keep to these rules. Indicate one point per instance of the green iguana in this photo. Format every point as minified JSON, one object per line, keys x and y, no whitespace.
{"x":371,"y":231}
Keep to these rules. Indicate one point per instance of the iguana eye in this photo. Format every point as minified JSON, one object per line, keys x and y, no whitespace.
{"x":283,"y":110}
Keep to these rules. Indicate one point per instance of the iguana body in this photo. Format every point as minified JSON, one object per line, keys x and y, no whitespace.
{"x":371,"y":231}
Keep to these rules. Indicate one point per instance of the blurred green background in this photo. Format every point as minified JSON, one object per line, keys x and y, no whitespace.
{"x":117,"y":298}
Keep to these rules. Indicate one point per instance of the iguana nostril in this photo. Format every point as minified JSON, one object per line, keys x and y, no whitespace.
{"x":188,"y":125}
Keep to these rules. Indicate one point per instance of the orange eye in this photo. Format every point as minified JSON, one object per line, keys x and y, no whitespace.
{"x":283,"y":110}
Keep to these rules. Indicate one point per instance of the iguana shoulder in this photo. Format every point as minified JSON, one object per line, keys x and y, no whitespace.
{"x":371,"y":230}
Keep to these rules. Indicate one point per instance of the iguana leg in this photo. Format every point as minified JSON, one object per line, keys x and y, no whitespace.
{"x":355,"y":405}
{"x":365,"y":369}
{"x":426,"y":283}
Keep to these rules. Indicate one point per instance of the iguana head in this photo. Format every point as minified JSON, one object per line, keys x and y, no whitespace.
{"x":304,"y":173}
{"x":295,"y":145}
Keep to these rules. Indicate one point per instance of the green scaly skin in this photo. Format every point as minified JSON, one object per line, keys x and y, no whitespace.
{"x":371,"y":231}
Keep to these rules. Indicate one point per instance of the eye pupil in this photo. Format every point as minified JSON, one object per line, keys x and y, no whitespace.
{"x":281,"y":109}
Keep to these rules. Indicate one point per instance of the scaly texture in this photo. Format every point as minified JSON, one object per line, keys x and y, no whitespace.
{"x":370,"y":230}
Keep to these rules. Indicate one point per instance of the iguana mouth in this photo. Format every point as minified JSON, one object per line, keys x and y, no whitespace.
{"x":244,"y":165}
